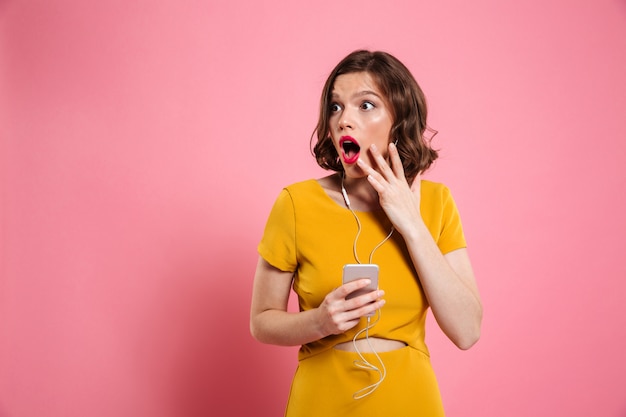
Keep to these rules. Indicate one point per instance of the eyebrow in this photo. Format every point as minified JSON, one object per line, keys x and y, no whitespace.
{"x":360,"y":94}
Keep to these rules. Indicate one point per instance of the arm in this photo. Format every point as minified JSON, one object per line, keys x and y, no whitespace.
{"x":447,"y":280}
{"x":449,"y":284}
{"x":270,"y":322}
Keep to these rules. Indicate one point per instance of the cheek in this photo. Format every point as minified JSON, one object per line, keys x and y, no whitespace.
{"x":382,"y":124}
{"x":382,"y":132}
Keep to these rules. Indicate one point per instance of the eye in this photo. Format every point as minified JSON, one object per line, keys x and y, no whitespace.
{"x":367,"y":105}
{"x":334,"y":107}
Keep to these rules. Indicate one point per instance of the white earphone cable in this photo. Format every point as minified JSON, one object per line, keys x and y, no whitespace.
{"x":359,"y":228}
{"x":364,"y":363}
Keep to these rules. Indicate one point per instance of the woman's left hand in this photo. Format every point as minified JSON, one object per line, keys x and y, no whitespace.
{"x":447,"y":280}
{"x":399,"y":200}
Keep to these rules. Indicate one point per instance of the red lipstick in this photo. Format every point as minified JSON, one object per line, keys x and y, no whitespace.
{"x":350,"y":149}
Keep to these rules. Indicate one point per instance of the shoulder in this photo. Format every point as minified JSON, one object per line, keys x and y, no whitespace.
{"x":302,"y":186}
{"x":436,"y":198}
{"x":434,"y":189}
{"x":301,"y":193}
{"x":441,"y":216}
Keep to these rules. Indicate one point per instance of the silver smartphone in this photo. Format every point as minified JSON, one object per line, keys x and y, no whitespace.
{"x":353,"y":272}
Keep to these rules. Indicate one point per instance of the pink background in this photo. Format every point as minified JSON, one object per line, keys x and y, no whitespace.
{"x":143,"y":144}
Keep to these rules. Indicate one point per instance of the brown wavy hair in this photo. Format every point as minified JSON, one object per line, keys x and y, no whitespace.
{"x":407,"y":105}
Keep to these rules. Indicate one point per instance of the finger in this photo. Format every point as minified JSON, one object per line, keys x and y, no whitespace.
{"x":367,"y":309}
{"x":364,"y":300}
{"x":375,"y":179}
{"x":381,"y":162}
{"x":396,"y":162}
{"x":350,"y":287}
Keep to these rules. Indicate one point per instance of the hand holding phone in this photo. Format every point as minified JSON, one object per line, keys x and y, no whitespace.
{"x":352,"y":272}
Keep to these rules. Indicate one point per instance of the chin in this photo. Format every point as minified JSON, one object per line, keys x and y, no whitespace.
{"x":353,"y":171}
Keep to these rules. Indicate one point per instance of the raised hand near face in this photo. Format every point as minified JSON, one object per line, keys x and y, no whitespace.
{"x":399,"y":200}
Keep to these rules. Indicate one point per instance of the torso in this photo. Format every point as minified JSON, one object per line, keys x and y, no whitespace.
{"x":377,"y":343}
{"x":324,"y":243}
{"x":332,"y":187}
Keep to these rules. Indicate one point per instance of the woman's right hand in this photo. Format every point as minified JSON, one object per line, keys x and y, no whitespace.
{"x":270,"y":322}
{"x":338,"y":314}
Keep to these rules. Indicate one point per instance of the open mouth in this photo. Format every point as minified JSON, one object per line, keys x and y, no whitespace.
{"x":350,"y":149}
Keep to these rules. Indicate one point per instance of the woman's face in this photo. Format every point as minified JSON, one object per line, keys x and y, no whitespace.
{"x":359,"y":117}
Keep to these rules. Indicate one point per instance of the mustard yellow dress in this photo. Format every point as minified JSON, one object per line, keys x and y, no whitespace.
{"x":309,"y":234}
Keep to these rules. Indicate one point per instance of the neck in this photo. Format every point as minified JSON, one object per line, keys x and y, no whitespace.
{"x":361,"y":193}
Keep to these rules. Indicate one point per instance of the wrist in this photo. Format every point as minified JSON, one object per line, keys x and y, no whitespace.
{"x":416,"y":233}
{"x":318,"y":324}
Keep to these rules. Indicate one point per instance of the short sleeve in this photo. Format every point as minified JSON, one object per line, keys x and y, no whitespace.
{"x":278,"y":244}
{"x":451,"y":234}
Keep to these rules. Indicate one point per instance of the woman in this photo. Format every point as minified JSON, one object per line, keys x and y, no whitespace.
{"x":366,"y":355}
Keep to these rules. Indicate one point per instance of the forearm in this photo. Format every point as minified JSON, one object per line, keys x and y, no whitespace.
{"x":451,"y":291}
{"x":284,"y":328}
{"x":270,"y":322}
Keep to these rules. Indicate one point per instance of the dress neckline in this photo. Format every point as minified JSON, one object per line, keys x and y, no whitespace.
{"x":342,"y":206}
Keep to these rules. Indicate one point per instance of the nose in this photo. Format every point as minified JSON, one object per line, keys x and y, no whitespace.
{"x":346,"y":121}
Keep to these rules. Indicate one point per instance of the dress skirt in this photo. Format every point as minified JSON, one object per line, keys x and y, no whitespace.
{"x":324,"y":385}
